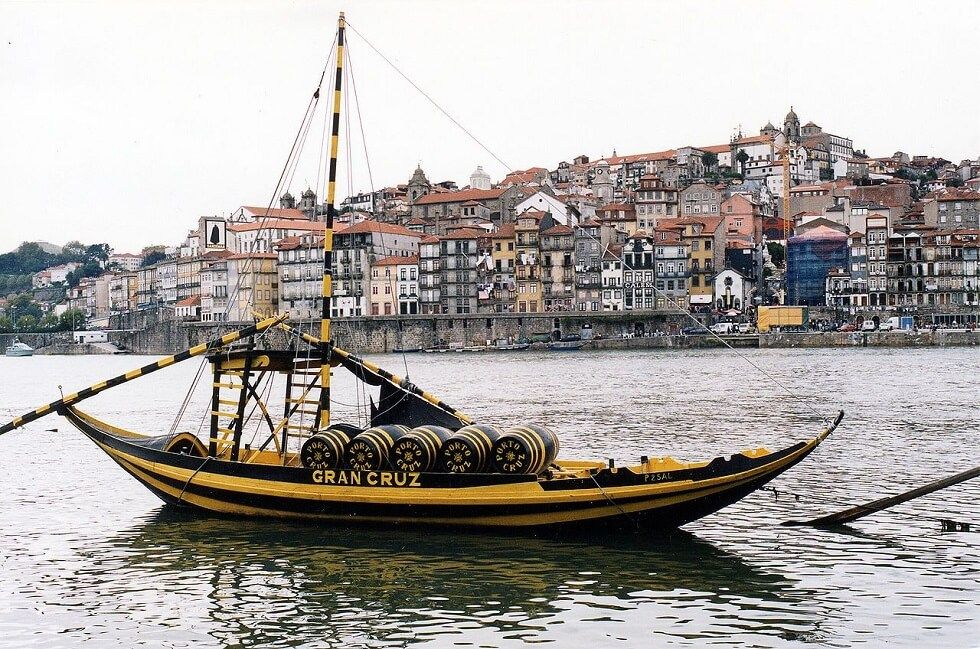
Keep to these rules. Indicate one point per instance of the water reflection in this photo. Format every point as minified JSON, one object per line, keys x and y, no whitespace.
{"x":281,"y":584}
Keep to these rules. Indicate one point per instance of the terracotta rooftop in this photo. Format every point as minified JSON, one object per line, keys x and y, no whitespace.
{"x":957,"y":194}
{"x":557,"y":230}
{"x":371,"y":225}
{"x":194,"y":300}
{"x":465,"y":233}
{"x":275,"y":212}
{"x":505,"y":231}
{"x":711,"y":223}
{"x":397,"y":260}
{"x":278,"y":224}
{"x":461,"y":196}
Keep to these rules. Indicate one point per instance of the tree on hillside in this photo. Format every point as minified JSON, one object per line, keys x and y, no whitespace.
{"x":49,"y":322}
{"x":6,"y":324}
{"x":72,"y":319}
{"x":99,"y":252}
{"x":152,"y":258}
{"x":27,"y":258}
{"x":777,"y":253}
{"x":26,"y":323}
{"x":73,"y":251}
{"x":741,"y":158}
{"x":954,"y":182}
{"x":23,"y":305}
{"x":709,"y":159}
{"x":90,"y":268}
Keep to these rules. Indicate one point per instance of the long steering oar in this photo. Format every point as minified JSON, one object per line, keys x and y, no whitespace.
{"x":394,"y":379}
{"x":92,"y":390}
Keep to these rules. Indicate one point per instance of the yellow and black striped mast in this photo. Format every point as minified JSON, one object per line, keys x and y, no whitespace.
{"x":327,"y":288}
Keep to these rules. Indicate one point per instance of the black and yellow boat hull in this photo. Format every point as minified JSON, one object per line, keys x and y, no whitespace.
{"x":658,"y":495}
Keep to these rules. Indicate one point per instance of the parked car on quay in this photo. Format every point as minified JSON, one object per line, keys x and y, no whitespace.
{"x":847,"y":326}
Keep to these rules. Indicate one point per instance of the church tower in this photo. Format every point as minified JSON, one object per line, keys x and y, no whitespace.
{"x":602,"y":184}
{"x":791,"y":126}
{"x":307,"y":203}
{"x":479,"y":179}
{"x":419,"y":185}
{"x":287,"y":202}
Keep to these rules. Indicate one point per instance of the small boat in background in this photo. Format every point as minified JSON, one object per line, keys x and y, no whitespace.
{"x":568,"y":343}
{"x":19,"y":349}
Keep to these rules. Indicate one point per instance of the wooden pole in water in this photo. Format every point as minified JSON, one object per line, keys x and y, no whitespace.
{"x":860,"y":511}
{"x":93,"y":390}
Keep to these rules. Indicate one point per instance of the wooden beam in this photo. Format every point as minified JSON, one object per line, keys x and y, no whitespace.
{"x":860,"y":511}
{"x":91,"y":391}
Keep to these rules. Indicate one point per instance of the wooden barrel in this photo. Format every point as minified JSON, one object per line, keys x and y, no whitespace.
{"x":324,"y":450}
{"x":419,"y":449}
{"x":530,"y":448}
{"x":468,"y":450}
{"x":369,"y":451}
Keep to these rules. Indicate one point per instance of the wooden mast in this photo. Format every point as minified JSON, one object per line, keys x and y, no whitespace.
{"x":327,"y":288}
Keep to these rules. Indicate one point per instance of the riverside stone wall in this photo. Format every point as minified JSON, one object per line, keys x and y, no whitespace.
{"x":155,"y":335}
{"x":36,"y":340}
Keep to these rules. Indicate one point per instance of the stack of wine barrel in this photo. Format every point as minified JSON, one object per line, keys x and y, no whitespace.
{"x":528,"y":449}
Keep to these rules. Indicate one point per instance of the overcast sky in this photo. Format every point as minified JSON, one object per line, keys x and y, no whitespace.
{"x":125,"y":121}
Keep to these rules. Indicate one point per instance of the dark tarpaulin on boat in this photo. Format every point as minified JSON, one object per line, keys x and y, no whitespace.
{"x":398,"y":406}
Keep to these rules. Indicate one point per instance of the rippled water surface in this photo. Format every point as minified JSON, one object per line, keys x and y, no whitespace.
{"x":90,"y":558}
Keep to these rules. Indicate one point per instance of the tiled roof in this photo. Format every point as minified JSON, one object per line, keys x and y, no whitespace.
{"x":557,"y":230}
{"x":252,"y":255}
{"x":505,"y":231}
{"x":717,"y":148}
{"x":465,"y":233}
{"x":461,"y":196}
{"x":820,"y":232}
{"x":641,"y":157}
{"x":397,"y":260}
{"x":711,"y":223}
{"x":194,"y":300}
{"x":278,"y":224}
{"x":958,"y":194}
{"x":275,"y":212}
{"x":371,"y":225}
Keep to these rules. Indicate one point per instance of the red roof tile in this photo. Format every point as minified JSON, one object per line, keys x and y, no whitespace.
{"x":371,"y":225}
{"x":397,"y":260}
{"x":275,"y":212}
{"x":465,"y":233}
{"x":461,"y":196}
{"x":278,"y":224}
{"x":557,"y":230}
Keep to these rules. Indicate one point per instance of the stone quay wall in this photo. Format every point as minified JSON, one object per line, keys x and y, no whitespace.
{"x":149,"y":333}
{"x":36,"y":340}
{"x":153,"y":334}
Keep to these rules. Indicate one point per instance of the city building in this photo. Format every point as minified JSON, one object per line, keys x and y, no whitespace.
{"x":459,"y":254}
{"x":612,"y":278}
{"x":809,"y":257}
{"x":733,"y":290}
{"x":557,"y":246}
{"x":654,"y":200}
{"x":589,"y":244}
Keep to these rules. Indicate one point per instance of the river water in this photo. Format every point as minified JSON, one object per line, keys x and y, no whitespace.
{"x":90,"y":558}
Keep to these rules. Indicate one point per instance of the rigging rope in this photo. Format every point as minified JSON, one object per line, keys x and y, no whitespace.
{"x":669,"y":300}
{"x":263,"y":224}
{"x":431,"y":100}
